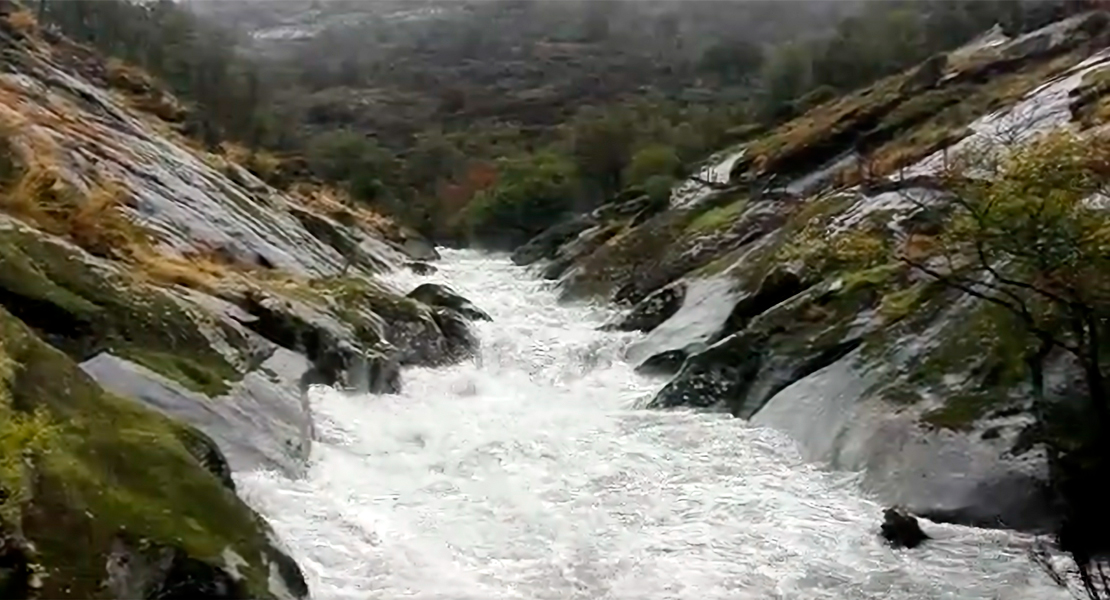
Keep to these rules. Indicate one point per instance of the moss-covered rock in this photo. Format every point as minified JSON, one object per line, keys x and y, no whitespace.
{"x":84,"y":306}
{"x":112,"y":468}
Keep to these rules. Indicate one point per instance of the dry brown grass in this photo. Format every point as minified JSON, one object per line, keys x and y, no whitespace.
{"x":337,"y":205}
{"x":23,"y":21}
{"x":260,"y":162}
{"x":201,"y":270}
{"x":95,"y":221}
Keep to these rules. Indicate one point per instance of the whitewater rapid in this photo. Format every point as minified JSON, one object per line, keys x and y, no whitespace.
{"x":530,"y":474}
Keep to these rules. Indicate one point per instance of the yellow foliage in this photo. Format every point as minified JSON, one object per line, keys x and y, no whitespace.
{"x":21,"y":436}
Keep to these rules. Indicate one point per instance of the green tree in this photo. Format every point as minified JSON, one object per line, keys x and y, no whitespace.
{"x":787,"y":74}
{"x":731,"y":61}
{"x":601,"y":144}
{"x":649,"y":161}
{"x":532,"y":193}
{"x":351,"y":158}
{"x":1029,"y":236}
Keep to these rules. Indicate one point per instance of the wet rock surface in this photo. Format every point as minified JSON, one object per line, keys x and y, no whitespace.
{"x":434,"y":294}
{"x":664,"y":363}
{"x":547,"y":243}
{"x":901,"y":530}
{"x":421,"y":268}
{"x":652,"y":311}
{"x":870,"y":367}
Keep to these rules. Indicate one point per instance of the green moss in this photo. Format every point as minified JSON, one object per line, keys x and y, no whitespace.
{"x":717,"y":218}
{"x":975,"y":364}
{"x":1091,"y":100}
{"x":359,"y":293}
{"x":84,"y":309}
{"x":900,"y":303}
{"x":875,"y":276}
{"x":20,"y":433}
{"x":629,"y":255}
{"x":111,"y":466}
{"x":961,"y":411}
{"x":211,"y":378}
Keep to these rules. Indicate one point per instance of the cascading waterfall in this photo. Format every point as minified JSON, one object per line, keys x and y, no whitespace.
{"x":528,"y":473}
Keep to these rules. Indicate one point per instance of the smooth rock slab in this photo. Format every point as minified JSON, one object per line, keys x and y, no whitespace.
{"x":263,"y":423}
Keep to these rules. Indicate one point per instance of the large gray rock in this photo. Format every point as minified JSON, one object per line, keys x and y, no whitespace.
{"x":705,"y":309}
{"x":263,"y":423}
{"x":434,"y":294}
{"x":547,"y":243}
{"x":944,"y":474}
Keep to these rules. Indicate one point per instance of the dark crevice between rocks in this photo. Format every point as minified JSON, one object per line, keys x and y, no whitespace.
{"x":653,"y":311}
{"x":60,"y":328}
{"x":777,"y":287}
{"x":1019,"y":502}
{"x":16,"y":560}
{"x":139,"y":569}
{"x":208,"y":454}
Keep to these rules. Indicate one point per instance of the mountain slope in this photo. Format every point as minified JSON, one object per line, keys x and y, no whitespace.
{"x":780,"y":297}
{"x":162,"y":311}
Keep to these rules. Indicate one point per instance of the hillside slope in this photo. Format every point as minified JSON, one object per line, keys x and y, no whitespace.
{"x":778,"y":296}
{"x":161,"y":312}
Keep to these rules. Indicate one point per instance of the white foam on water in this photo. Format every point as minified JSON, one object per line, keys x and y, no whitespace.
{"x":527,"y":474}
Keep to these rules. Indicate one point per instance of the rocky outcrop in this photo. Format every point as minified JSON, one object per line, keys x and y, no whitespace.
{"x":163,"y":313}
{"x":421,"y":268}
{"x":547,"y":243}
{"x":796,"y":313}
{"x":96,"y":448}
{"x":901,"y":530}
{"x":434,"y":294}
{"x":652,"y":311}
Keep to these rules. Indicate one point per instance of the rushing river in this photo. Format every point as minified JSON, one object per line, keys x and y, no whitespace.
{"x":529,"y":474}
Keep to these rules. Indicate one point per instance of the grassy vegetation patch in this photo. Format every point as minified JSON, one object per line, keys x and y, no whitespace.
{"x":717,"y":218}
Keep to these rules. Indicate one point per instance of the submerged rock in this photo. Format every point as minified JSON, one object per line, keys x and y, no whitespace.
{"x":421,"y":268}
{"x":434,"y":294}
{"x":901,"y":530}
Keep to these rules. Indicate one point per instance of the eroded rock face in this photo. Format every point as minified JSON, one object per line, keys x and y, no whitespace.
{"x":434,"y":294}
{"x":652,"y":311}
{"x":166,"y":572}
{"x":162,"y":466}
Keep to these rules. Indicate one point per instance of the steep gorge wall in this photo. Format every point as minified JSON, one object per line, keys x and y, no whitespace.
{"x":765,"y":298}
{"x":162,"y":311}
